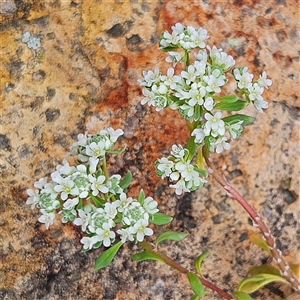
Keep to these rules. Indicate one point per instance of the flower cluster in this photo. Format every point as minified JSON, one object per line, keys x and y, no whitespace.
{"x":194,"y":89}
{"x":85,"y":195}
{"x":179,"y":169}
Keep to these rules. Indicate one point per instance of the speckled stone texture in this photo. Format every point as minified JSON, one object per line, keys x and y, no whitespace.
{"x":83,"y":78}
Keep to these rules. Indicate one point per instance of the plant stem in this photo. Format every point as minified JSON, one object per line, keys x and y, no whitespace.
{"x":172,"y":263}
{"x":285,"y":269}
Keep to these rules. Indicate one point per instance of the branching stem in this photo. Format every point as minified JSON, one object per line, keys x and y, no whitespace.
{"x":257,"y":222}
{"x":172,"y":263}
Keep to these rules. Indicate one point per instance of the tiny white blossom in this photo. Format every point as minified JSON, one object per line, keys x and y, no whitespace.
{"x":214,"y":123}
{"x":165,"y":166}
{"x":124,"y":202}
{"x":113,"y":134}
{"x":33,"y":199}
{"x":41,"y":183}
{"x":199,"y":135}
{"x":98,"y":184}
{"x":88,"y":242}
{"x":150,"y":206}
{"x":47,"y":218}
{"x":125,"y":234}
{"x":95,"y":149}
{"x":187,"y":170}
{"x":263,"y":81}
{"x":84,"y":217}
{"x":221,"y":144}
{"x":110,"y":209}
{"x":105,"y":234}
{"x":243,"y":77}
{"x":67,"y":187}
{"x":174,"y":57}
{"x":255,"y":92}
{"x":235,"y":129}
{"x":140,"y":229}
{"x":260,"y":105}
{"x":71,"y":203}
{"x":178,"y":151}
{"x":180,"y":187}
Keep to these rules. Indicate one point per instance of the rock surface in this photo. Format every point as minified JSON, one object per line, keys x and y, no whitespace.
{"x":83,"y":77}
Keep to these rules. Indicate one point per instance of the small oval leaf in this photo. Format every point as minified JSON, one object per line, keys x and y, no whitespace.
{"x":257,"y":239}
{"x":196,"y":284}
{"x":125,"y":182}
{"x":171,"y":235}
{"x":146,"y":255}
{"x":227,"y":99}
{"x":105,"y":258}
{"x":254,"y":283}
{"x":239,"y":117}
{"x":235,"y":106}
{"x":160,"y":219}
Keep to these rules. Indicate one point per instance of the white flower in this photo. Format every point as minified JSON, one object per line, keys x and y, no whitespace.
{"x":93,"y":162}
{"x":47,"y":218}
{"x":33,"y":199}
{"x":168,"y":80}
{"x":243,"y":77}
{"x":113,"y":184}
{"x":255,"y":92}
{"x":124,"y":202}
{"x":189,"y":75}
{"x":263,"y":81}
{"x":197,"y":37}
{"x":214,"y":81}
{"x":214,"y":123}
{"x":140,"y":229}
{"x":105,"y":235}
{"x":149,"y":97}
{"x":84,"y":217}
{"x":187,"y":170}
{"x":113,"y":134}
{"x":150,"y":206}
{"x":110,"y":209}
{"x":125,"y":234}
{"x":199,"y":135}
{"x":97,"y":184}
{"x":178,"y":151}
{"x":209,"y":103}
{"x":180,"y":187}
{"x":150,"y":77}
{"x":221,"y":144}
{"x":260,"y":104}
{"x":165,"y":166}
{"x":41,"y":183}
{"x":88,"y":242}
{"x":95,"y":149}
{"x":66,"y":187}
{"x":71,"y":203}
{"x":174,"y":57}
{"x":201,"y":56}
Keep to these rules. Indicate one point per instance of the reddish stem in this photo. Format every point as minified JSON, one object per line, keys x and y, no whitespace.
{"x":285,"y":269}
{"x":169,"y":261}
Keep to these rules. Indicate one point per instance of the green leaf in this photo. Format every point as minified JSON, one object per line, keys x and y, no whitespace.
{"x":146,"y":255}
{"x":105,"y":258}
{"x":160,"y":219}
{"x":257,"y":239}
{"x":254,"y":283}
{"x":241,"y":296}
{"x":199,"y":260}
{"x":238,"y":105}
{"x":266,"y":269}
{"x":227,"y":99}
{"x":125,"y":182}
{"x":168,"y":49}
{"x":171,"y":235}
{"x":80,"y":204}
{"x":141,"y":196}
{"x":239,"y":117}
{"x":191,"y":146}
{"x":196,"y":284}
{"x":97,"y":201}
